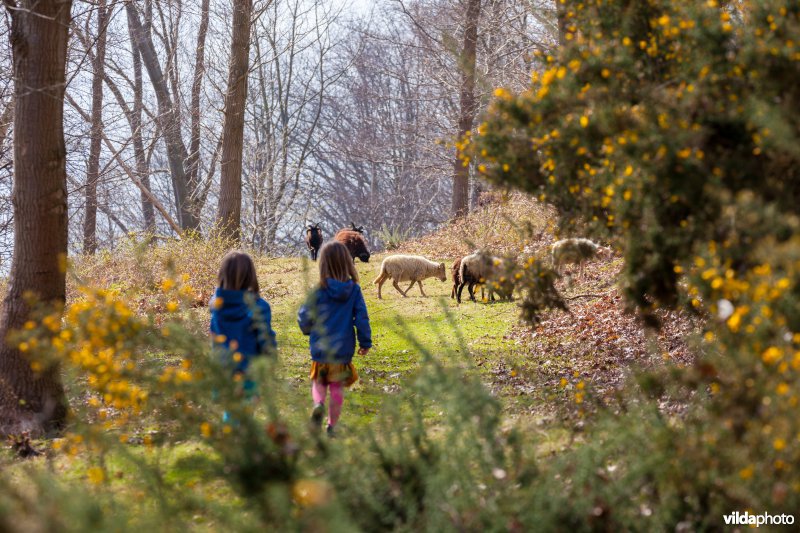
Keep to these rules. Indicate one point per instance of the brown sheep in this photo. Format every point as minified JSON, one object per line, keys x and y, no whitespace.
{"x":355,"y":243}
{"x":456,"y":270}
{"x":476,"y":269}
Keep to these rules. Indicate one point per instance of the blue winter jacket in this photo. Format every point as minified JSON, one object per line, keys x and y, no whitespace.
{"x":244,"y":317}
{"x":329,"y":317}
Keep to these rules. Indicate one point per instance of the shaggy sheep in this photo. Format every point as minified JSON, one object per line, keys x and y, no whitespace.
{"x":456,"y":271}
{"x":413,"y":268}
{"x":475,"y":269}
{"x":355,"y":243}
{"x":577,"y":250}
{"x":313,"y":239}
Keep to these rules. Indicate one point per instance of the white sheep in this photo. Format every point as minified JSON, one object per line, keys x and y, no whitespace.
{"x":475,"y":269}
{"x":577,"y":251}
{"x":413,"y":268}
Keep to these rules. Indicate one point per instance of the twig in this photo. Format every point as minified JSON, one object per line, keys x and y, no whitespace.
{"x":587,"y":295}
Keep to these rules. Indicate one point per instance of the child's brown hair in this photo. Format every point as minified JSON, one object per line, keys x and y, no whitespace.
{"x":335,"y":262}
{"x":238,"y":273}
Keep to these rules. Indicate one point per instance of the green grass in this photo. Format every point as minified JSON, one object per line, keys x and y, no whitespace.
{"x":406,"y":330}
{"x":455,"y":334}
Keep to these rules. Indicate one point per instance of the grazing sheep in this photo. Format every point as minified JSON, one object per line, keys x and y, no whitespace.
{"x":413,"y":268}
{"x":355,"y":243}
{"x":475,"y":269}
{"x":577,"y":250}
{"x":456,"y":271}
{"x":313,"y":239}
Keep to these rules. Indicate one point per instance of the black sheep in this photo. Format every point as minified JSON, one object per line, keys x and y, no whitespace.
{"x":313,"y":239}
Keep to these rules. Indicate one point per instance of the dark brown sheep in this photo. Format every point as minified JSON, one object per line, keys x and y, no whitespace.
{"x":456,"y":270}
{"x":313,"y":239}
{"x":476,"y":269}
{"x":355,"y":243}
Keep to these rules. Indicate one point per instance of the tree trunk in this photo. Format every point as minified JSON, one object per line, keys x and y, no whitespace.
{"x":229,"y":212}
{"x":142,"y":170}
{"x":39,"y":32}
{"x":168,"y":121}
{"x":197,"y":84}
{"x":93,"y":167}
{"x":467,"y":106}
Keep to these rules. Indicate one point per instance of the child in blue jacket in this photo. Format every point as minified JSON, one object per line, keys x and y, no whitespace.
{"x":241,"y":321}
{"x":334,"y":316}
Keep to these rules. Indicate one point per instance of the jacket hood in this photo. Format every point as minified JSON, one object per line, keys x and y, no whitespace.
{"x":232,"y":305}
{"x":340,"y":290}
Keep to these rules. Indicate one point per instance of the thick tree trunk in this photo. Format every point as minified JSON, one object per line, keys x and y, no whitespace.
{"x":467,"y":106}
{"x":142,"y":170}
{"x":168,"y":121}
{"x":93,"y":167}
{"x":35,"y":401}
{"x":229,"y":211}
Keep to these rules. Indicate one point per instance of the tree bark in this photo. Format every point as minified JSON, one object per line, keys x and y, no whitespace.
{"x":467,"y":106}
{"x":93,"y":166}
{"x":142,"y":169}
{"x":229,"y":211}
{"x":197,"y":84}
{"x":39,"y":33}
{"x":168,"y":121}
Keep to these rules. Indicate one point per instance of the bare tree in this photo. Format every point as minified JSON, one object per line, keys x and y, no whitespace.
{"x":229,"y":211}
{"x":31,"y":400}
{"x":197,"y":84}
{"x":135,"y":122}
{"x":379,"y":162}
{"x":168,"y":119}
{"x":467,"y":105}
{"x":293,"y":75}
{"x":93,"y":167}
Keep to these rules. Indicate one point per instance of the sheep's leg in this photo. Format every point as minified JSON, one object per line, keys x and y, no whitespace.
{"x":409,"y":288}
{"x":381,"y":280}
{"x":471,"y":290}
{"x":460,"y":290}
{"x":396,"y":286}
{"x":453,"y":291}
{"x":420,"y":289}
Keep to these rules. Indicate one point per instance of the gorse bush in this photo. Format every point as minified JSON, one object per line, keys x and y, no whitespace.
{"x":671,"y":129}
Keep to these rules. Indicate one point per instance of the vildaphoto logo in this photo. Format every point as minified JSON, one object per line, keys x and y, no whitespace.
{"x":763,"y":519}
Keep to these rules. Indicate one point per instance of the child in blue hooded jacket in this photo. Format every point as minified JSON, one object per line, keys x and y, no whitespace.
{"x":241,"y":321}
{"x":334,"y":316}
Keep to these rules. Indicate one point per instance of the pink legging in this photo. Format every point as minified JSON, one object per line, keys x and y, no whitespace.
{"x":318,"y":393}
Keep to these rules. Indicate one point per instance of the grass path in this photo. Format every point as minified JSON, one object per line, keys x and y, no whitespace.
{"x":397,"y":322}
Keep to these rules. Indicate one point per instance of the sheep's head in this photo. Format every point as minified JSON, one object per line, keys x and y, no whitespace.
{"x":313,"y":230}
{"x":364,"y":256}
{"x":441,"y":272}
